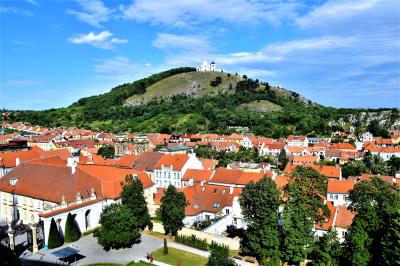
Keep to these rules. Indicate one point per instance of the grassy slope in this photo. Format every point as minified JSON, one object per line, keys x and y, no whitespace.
{"x":260,"y":106}
{"x":191,"y":83}
{"x":186,"y":258}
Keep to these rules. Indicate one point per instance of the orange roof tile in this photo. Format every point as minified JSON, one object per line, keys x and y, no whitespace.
{"x":340,"y":186}
{"x":197,"y":175}
{"x":176,"y":161}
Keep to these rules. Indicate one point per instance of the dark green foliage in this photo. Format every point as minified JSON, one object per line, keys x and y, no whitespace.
{"x":355,"y":168}
{"x":55,"y":239}
{"x":375,"y":164}
{"x":107,"y":151}
{"x":165,"y":250}
{"x":192,"y":241}
{"x":172,"y":210}
{"x":7,"y":257}
{"x":377,"y":130}
{"x":282,"y":159}
{"x":373,"y":237}
{"x":132,"y":196}
{"x":393,"y":165}
{"x":327,"y":251}
{"x":219,"y":256}
{"x":72,"y":232}
{"x":259,"y":202}
{"x":119,"y":228}
{"x":301,"y":211}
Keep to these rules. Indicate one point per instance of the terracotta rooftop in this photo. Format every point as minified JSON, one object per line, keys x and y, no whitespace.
{"x":176,"y":161}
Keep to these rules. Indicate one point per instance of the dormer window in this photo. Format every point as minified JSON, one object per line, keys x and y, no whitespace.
{"x":215,"y":190}
{"x":203,"y":189}
{"x":217,"y":205}
{"x":195,"y":206}
{"x":13,"y":181}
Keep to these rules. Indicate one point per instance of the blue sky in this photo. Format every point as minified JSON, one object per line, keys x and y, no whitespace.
{"x":335,"y":52}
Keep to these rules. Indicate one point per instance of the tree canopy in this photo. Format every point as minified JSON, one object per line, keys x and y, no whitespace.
{"x":260,"y":202}
{"x":172,"y":210}
{"x":119,"y":228}
{"x":132,"y":196}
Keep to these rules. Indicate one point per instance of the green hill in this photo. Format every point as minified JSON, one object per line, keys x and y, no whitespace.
{"x":182,"y":100}
{"x":195,"y":84}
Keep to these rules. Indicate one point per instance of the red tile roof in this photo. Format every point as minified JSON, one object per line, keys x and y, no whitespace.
{"x":126,"y":160}
{"x":8,"y":159}
{"x":344,"y":217}
{"x":209,"y":164}
{"x":209,"y":198}
{"x":340,"y":186}
{"x":327,"y":222}
{"x":235,"y":176}
{"x":197,"y":175}
{"x":176,"y":161}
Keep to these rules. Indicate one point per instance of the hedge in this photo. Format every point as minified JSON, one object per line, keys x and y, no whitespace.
{"x":196,"y":242}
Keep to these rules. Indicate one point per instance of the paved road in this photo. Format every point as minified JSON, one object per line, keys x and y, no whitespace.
{"x":94,"y":253}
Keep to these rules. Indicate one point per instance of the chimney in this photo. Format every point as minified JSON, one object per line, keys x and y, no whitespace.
{"x":73,"y":168}
{"x":230,"y":190}
{"x":78,"y":196}
{"x":17,"y":161}
{"x":92,"y":193}
{"x":63,"y":202}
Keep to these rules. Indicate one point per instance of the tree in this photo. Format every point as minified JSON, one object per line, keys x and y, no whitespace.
{"x":260,"y":202}
{"x":394,"y":165}
{"x":72,"y":232}
{"x":165,"y":251}
{"x":172,"y":210}
{"x":219,"y":256}
{"x":355,"y":168}
{"x":372,"y":238}
{"x":303,"y":208}
{"x":119,"y":228}
{"x":377,"y":130}
{"x":107,"y":151}
{"x":282,"y":159}
{"x":327,"y":251}
{"x":55,"y":239}
{"x":132,"y":196}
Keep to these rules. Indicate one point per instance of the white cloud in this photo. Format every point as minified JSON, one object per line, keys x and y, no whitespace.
{"x":102,"y":40}
{"x":93,"y":12}
{"x":168,"y":41}
{"x":188,"y":12}
{"x":32,"y":2}
{"x":15,"y":11}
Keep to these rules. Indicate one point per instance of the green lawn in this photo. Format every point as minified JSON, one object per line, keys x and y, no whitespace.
{"x":186,"y":258}
{"x":140,"y":263}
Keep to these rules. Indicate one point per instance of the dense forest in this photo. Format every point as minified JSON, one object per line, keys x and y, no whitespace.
{"x":185,"y":114}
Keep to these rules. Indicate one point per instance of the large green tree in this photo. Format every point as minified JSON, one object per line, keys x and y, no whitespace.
{"x":119,"y":228}
{"x":172,"y":210}
{"x":219,"y":257}
{"x":259,"y":203}
{"x":327,"y":250}
{"x":132,"y":196}
{"x":372,"y":238}
{"x":303,"y":208}
{"x":72,"y":232}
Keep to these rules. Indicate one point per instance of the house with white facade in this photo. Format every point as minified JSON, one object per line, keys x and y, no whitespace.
{"x":338,"y":191}
{"x":170,"y":169}
{"x":297,"y":141}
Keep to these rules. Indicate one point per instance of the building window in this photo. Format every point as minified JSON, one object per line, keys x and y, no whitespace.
{"x":217,"y":205}
{"x":195,"y":206}
{"x":336,"y":197}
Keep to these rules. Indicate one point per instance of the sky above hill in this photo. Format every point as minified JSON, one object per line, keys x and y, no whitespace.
{"x":335,"y":52}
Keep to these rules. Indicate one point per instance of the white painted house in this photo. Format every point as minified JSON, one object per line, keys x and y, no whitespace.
{"x":170,"y":169}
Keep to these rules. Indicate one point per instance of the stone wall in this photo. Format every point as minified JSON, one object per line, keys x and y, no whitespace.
{"x":232,"y":243}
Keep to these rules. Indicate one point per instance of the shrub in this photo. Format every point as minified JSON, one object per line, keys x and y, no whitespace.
{"x":72,"y":232}
{"x":165,"y":247}
{"x":55,"y":239}
{"x":192,"y":241}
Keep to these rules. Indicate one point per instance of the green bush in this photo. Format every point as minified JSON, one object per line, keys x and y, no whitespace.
{"x":192,"y":241}
{"x":165,"y":247}
{"x":72,"y":232}
{"x":55,"y":239}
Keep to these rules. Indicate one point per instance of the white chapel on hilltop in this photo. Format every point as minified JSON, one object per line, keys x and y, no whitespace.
{"x":207,"y":67}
